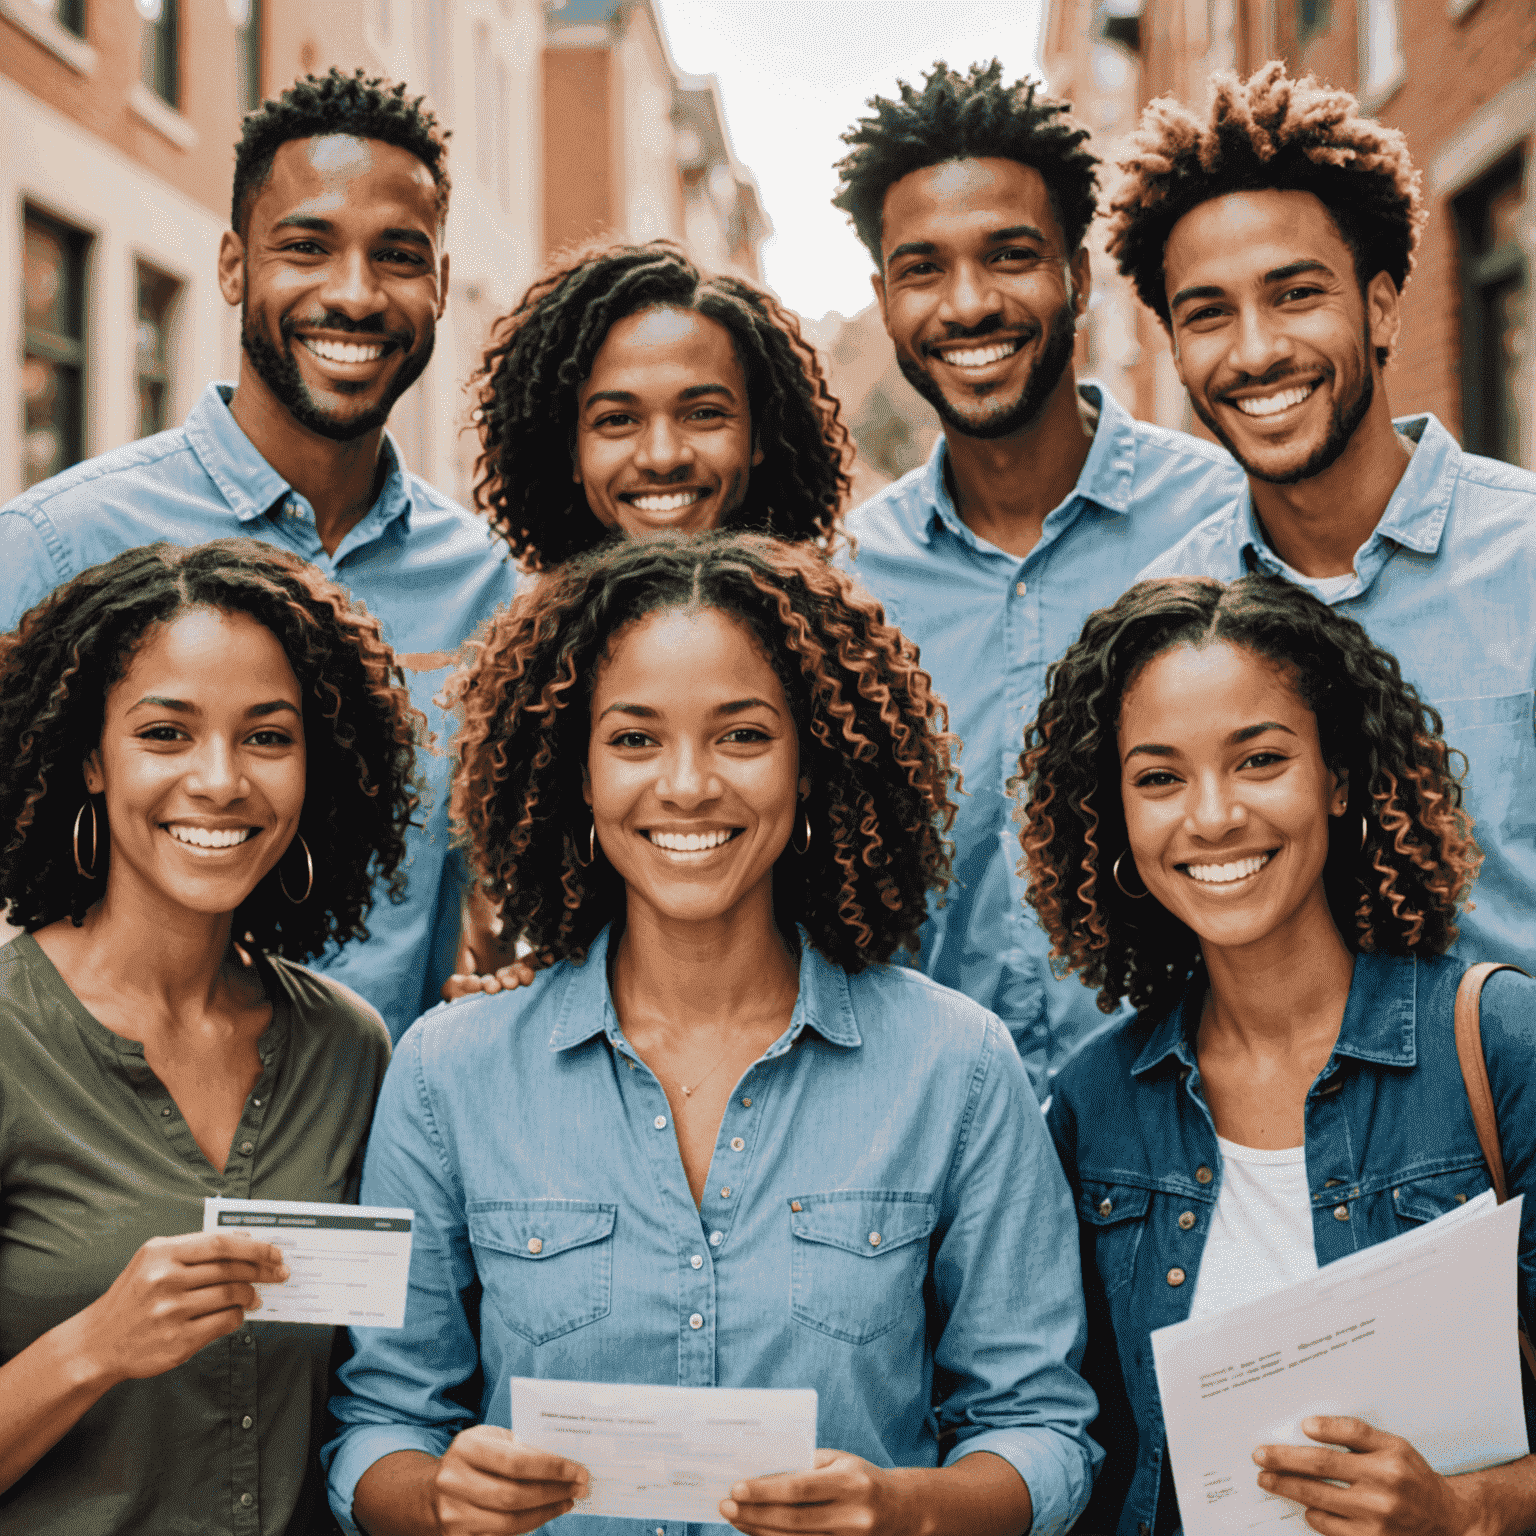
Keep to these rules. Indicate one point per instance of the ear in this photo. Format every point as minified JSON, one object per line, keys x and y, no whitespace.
{"x":586,"y":784}
{"x":1383,"y":313}
{"x":442,"y":286}
{"x":877,"y":282}
{"x":95,"y":780}
{"x":1338,"y":802}
{"x":231,"y":267}
{"x":804,"y":787}
{"x":757,"y":450}
{"x":1080,"y":270}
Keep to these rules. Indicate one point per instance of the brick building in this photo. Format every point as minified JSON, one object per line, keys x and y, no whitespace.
{"x":1457,"y":76}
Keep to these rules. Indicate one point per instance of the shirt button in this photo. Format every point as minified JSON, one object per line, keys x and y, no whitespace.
{"x":246,"y":1500}
{"x":746,"y":1103}
{"x":697,"y":1261}
{"x":246,"y":1422}
{"x":1203,"y":1175}
{"x":1175,"y":1276}
{"x":660,"y":1122}
{"x":1341,"y":1213}
{"x":695,"y":1322}
{"x":166,"y":1111}
{"x":257,"y":1103}
{"x":737,"y":1144}
{"x":716,"y":1238}
{"x":794,"y":1205}
{"x":1186,"y":1220}
{"x":874,"y":1239}
{"x":1105,"y":1207}
{"x":535,"y":1245}
{"x":1022,"y":588}
{"x":246,"y":1338}
{"x":725,"y":1191}
{"x":245,"y":1146}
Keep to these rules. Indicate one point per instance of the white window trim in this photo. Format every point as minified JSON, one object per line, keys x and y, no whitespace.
{"x":1456,"y":9}
{"x":162,"y":117}
{"x":1373,"y":101}
{"x":59,"y":41}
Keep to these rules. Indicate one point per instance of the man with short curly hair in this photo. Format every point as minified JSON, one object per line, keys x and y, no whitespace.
{"x":1273,"y":237}
{"x":334,"y":257}
{"x":1042,"y":499}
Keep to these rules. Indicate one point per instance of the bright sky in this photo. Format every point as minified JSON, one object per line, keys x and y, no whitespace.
{"x":796,"y":73}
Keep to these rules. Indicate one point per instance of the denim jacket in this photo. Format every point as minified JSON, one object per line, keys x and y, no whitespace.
{"x":1390,"y":1144}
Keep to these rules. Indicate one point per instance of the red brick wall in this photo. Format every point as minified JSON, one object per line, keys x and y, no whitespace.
{"x":579,"y":175}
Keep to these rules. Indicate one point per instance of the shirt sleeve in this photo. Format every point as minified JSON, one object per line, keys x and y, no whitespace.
{"x":404,"y":1387}
{"x":1009,"y":1286}
{"x":1507,"y":1020}
{"x":33,"y":564}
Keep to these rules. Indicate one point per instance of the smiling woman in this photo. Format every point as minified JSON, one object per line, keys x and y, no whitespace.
{"x":243,"y":750}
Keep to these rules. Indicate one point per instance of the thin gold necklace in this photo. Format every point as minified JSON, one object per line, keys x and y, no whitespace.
{"x":689,"y":1092}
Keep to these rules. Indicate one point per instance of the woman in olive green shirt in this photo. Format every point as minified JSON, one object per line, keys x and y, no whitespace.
{"x":205,"y":763}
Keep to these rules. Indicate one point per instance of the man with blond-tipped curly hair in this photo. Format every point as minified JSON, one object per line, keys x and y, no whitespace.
{"x":1274,"y":237}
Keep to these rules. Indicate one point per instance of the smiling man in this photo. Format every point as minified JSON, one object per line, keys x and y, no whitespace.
{"x":334,"y":258}
{"x":1273,"y":239}
{"x":1040,"y":502}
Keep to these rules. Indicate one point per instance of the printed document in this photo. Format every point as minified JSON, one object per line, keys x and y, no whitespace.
{"x":348,"y":1264}
{"x":1416,"y":1336}
{"x":665,"y":1453}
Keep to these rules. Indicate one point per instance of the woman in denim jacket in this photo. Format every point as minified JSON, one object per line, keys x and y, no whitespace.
{"x":1241,"y":819}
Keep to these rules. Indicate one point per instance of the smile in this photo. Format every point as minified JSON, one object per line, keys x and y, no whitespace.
{"x":207,"y":837}
{"x":979,"y":357}
{"x":1272,"y":405}
{"x":692,"y":842}
{"x":345,"y":351}
{"x":1227,"y":874}
{"x":669,"y":501}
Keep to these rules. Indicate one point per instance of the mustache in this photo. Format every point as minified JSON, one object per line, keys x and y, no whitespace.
{"x":334,"y":320}
{"x":991,"y":326}
{"x":1273,"y":377}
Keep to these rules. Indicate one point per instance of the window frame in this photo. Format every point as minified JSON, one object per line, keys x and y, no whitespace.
{"x":63,"y":351}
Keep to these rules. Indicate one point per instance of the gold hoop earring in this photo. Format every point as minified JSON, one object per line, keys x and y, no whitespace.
{"x":309,"y":884}
{"x":1114,"y":870}
{"x":586,"y":863}
{"x":1365,"y":833}
{"x":807,"y":848}
{"x":81,"y":870}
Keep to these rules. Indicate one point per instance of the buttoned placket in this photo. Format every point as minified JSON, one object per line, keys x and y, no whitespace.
{"x":1336,"y":1191}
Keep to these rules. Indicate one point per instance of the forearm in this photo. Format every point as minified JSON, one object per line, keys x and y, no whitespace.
{"x":44,"y":1392}
{"x":482,"y":940}
{"x":394,"y":1496}
{"x":1502,"y":1500}
{"x":979,"y":1495}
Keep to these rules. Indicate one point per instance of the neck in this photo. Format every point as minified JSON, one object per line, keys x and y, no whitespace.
{"x":1283,"y":992}
{"x":338,"y":479}
{"x":1317,"y":525}
{"x":726,"y":973}
{"x":1004,"y":487}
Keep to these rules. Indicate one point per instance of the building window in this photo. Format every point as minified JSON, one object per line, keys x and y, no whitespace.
{"x":1312,"y":20}
{"x":70,"y":14}
{"x":1493,"y":311}
{"x":1382,"y":66}
{"x":157,"y":311}
{"x":157,"y":49}
{"x":246,"y":16}
{"x":53,"y":347}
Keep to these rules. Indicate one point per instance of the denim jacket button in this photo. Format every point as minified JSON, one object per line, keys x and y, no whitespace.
{"x":1175,"y":1276}
{"x":1186,"y":1220}
{"x":1143,"y":1529}
{"x":1203,"y":1175}
{"x":1341,"y":1213}
{"x":1105,"y":1207}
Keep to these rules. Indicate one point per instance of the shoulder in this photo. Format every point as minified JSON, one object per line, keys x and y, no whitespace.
{"x":1491,"y":489}
{"x":331,"y":1010}
{"x":902,"y":1013}
{"x":888,"y":523}
{"x":1213,"y":547}
{"x":74,"y":492}
{"x":1159,"y":447}
{"x":24,"y":975}
{"x":1095,"y":1077}
{"x":1507,"y":1019}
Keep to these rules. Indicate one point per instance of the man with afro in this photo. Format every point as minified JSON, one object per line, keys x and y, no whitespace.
{"x":1273,"y":237}
{"x":334,"y":257}
{"x":1042,"y":499}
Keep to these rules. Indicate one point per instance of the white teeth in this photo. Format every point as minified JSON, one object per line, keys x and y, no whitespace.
{"x":202,"y":837}
{"x":689,"y":842}
{"x":1225,"y":874}
{"x":674,"y":502}
{"x":979,"y":357}
{"x":342,"y":351}
{"x":1270,"y":405}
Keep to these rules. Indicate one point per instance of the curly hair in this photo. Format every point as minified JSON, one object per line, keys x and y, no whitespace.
{"x":872,"y":738}
{"x":63,"y":659}
{"x":541,"y":352}
{"x":1395,"y":893}
{"x":1268,"y":132}
{"x":361,"y":105}
{"x":967,"y":117}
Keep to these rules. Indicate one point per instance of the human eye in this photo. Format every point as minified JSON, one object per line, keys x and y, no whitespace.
{"x":632,"y":740}
{"x":270,"y":736}
{"x":304,"y":248}
{"x":1155,"y":778}
{"x":746,"y":735}
{"x":614,"y":420}
{"x":399,"y":258}
{"x":1265,"y":759}
{"x":161,"y":733}
{"x":1300,"y":292}
{"x":1016,"y":253}
{"x":916,"y":269}
{"x":706,"y":413}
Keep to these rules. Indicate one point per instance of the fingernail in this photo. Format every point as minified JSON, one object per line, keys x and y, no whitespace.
{"x":1310,"y":1426}
{"x":729,"y":1508}
{"x":283,"y":1272}
{"x":1260,"y":1457}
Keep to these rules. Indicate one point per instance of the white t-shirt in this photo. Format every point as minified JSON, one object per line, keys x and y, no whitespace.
{"x":1261,"y":1232}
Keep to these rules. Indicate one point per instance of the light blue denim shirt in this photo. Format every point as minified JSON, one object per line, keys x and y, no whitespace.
{"x":988,"y":625}
{"x":424,"y":567}
{"x":1447,"y":583}
{"x":885,"y":1220}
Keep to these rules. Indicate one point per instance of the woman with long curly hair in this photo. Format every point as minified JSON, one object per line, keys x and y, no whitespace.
{"x":1242,"y":819}
{"x":721,"y":1140}
{"x":205,"y":760}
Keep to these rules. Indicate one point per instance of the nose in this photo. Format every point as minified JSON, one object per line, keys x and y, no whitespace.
{"x":215,"y":775}
{"x":1259,"y":342}
{"x":351,"y":286}
{"x":663,"y":449}
{"x":970,"y":296}
{"x":1212,"y":810}
{"x":686,"y":780}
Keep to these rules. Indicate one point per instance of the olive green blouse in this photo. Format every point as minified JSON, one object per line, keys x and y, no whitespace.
{"x":95,"y":1158}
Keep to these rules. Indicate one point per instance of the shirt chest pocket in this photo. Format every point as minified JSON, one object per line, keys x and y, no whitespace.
{"x":1421,"y":1199}
{"x":546,"y":1265}
{"x":1116,"y":1216}
{"x":859,"y":1260}
{"x":1497,"y":736}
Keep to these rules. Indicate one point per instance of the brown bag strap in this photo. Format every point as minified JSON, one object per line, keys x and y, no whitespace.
{"x":1474,"y":1072}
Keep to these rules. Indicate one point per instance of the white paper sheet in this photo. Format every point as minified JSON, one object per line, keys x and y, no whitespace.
{"x":1416,"y":1336}
{"x":349,"y":1263}
{"x":665,"y":1453}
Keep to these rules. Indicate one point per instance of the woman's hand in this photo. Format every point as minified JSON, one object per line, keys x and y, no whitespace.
{"x":842,"y":1493}
{"x":175,"y":1296}
{"x":1392,"y":1490}
{"x":509,"y":977}
{"x":490,"y":1484}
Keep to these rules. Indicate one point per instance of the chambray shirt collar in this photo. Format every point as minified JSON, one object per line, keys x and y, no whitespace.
{"x":252,"y":487}
{"x":1415,"y":516}
{"x":1378,"y":1026}
{"x":823,"y":1004}
{"x":1106,"y":478}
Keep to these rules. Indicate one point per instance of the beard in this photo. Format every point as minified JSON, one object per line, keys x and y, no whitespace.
{"x":280,"y":373}
{"x":1043,"y":378}
{"x":1342,"y":425}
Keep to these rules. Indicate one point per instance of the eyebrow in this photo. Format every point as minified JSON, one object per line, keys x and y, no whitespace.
{"x":1247,"y":733}
{"x":182,"y":707}
{"x":629,"y":397}
{"x":310,"y":221}
{"x":1012,"y":232}
{"x":645,"y":712}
